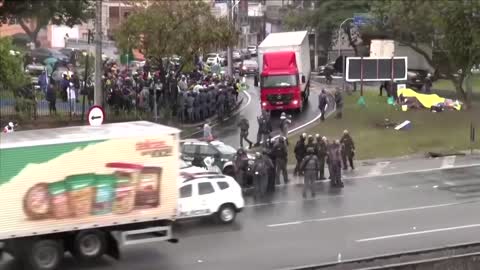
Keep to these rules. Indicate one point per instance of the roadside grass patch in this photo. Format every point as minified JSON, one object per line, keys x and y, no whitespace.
{"x":445,"y":131}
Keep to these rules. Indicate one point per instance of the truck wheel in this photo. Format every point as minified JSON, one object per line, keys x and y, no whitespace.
{"x":44,"y":254}
{"x":226,"y":214}
{"x":89,"y":245}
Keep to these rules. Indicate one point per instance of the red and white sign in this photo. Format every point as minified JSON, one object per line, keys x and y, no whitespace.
{"x":96,"y":116}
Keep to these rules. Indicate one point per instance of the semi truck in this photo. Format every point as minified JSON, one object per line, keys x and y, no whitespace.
{"x":86,"y":190}
{"x":284,"y":71}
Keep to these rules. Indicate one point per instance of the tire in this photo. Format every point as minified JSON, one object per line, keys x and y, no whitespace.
{"x":229,"y":171}
{"x":226,"y":214}
{"x":43,"y":254}
{"x":89,"y":246}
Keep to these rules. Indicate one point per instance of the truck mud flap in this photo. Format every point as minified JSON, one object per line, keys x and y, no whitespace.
{"x":113,"y":249}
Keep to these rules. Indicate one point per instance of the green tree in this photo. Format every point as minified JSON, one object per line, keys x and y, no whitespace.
{"x":12,"y":76}
{"x":183,"y":28}
{"x":450,"y":27}
{"x":326,"y":18}
{"x":42,"y":12}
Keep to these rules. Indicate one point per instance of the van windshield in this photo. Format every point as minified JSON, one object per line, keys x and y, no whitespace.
{"x":277,"y":81}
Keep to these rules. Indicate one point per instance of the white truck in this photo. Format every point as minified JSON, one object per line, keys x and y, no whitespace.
{"x":86,"y":190}
{"x":284,"y":71}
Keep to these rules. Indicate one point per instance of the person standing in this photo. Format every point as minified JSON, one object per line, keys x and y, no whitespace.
{"x":260,"y":175}
{"x":262,"y":132}
{"x":207,"y":132}
{"x":51,"y":97}
{"x":300,"y":150}
{"x":244,"y":126}
{"x":310,"y":142}
{"x":269,"y":185}
{"x":241,"y":167}
{"x":322,"y":154}
{"x":322,"y":103}
{"x":428,"y":84}
{"x":221,"y":100}
{"x":348,"y":150}
{"x":339,"y":103}
{"x":281,"y":160}
{"x":309,"y":167}
{"x":72,"y":99}
{"x":334,"y":157}
{"x":284,"y":124}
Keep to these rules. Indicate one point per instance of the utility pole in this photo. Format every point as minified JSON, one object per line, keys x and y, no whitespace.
{"x":229,"y":49}
{"x":98,"y":93}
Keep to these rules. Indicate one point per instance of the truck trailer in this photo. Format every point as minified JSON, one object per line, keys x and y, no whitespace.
{"x":86,"y":190}
{"x":284,"y":71}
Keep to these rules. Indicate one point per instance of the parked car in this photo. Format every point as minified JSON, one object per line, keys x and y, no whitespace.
{"x":34,"y":71}
{"x":213,"y":58}
{"x":225,"y":153}
{"x":249,"y":67}
{"x":237,"y":66}
{"x":43,"y":53}
{"x":416,"y":78}
{"x":252,"y":49}
{"x":237,"y":56}
{"x":202,"y":193}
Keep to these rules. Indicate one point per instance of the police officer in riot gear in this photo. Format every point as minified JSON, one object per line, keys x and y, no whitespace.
{"x":322,"y":155}
{"x":334,"y":157}
{"x":221,"y":104}
{"x":244,"y":126}
{"x":281,"y":159}
{"x":322,"y":103}
{"x":270,"y":187}
{"x":310,"y":167}
{"x":348,"y":150}
{"x":241,"y":167}
{"x":260,"y":175}
{"x":264,"y":128}
{"x":300,"y":150}
{"x":189,"y":106}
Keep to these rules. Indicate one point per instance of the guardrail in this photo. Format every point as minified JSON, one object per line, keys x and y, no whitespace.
{"x":463,"y":256}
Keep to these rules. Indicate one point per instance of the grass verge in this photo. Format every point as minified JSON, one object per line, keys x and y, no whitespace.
{"x":446,"y":131}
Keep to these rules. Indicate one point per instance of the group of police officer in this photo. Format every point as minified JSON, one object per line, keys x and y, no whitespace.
{"x":203,"y":101}
{"x":312,"y":155}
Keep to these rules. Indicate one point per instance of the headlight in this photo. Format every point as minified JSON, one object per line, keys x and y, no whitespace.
{"x":295,"y":102}
{"x":244,"y":68}
{"x":264,"y":104}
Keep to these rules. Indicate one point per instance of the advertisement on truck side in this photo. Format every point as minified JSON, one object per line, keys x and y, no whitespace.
{"x":71,"y":186}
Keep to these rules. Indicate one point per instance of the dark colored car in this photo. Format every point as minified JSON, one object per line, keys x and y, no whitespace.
{"x":191,"y":148}
{"x":249,"y":67}
{"x":416,"y":78}
{"x":43,"y":53}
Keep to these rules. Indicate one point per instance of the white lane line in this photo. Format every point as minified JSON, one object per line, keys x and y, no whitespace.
{"x":369,"y":214}
{"x":418,"y":233}
{"x":378,"y":168}
{"x":448,"y":162}
{"x":311,"y":121}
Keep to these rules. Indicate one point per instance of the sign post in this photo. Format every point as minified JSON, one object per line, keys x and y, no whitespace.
{"x":96,"y":116}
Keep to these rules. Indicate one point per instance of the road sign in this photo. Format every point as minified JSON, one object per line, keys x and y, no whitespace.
{"x":375,"y":69}
{"x":360,"y":19}
{"x":96,"y":116}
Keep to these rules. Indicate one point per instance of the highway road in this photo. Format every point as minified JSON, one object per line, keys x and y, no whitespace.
{"x":228,"y":131}
{"x":372,"y":215}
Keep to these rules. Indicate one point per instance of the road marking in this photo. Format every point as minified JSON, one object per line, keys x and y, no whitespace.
{"x":369,"y":214}
{"x":378,"y":168}
{"x":311,"y":121}
{"x":418,"y":233}
{"x":448,"y":162}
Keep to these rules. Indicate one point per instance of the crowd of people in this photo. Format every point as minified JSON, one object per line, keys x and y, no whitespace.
{"x":191,"y":97}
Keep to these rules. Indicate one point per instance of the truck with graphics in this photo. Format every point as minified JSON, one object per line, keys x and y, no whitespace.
{"x":86,"y":190}
{"x":284,"y":71}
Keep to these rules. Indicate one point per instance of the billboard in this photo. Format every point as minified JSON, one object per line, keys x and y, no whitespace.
{"x":371,"y":69}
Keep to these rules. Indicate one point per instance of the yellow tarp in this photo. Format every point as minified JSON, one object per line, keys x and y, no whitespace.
{"x":427,"y":100}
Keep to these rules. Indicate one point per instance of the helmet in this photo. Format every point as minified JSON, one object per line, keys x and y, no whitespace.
{"x":303,"y":136}
{"x":345,"y":131}
{"x":283,"y":115}
{"x":317,"y":135}
{"x":10,"y":124}
{"x":281,"y":139}
{"x":240,"y":151}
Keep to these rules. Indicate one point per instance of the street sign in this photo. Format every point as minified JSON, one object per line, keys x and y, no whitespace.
{"x":96,"y":116}
{"x":375,"y":69}
{"x":361,"y":19}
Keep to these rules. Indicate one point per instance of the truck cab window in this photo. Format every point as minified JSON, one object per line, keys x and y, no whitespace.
{"x":279,"y":81}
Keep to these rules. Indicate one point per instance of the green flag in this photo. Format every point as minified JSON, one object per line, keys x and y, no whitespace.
{"x":361,"y":101}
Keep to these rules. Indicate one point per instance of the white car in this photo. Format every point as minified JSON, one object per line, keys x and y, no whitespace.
{"x":214,"y":58}
{"x":252,"y":49}
{"x":203,"y":193}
